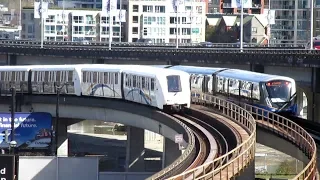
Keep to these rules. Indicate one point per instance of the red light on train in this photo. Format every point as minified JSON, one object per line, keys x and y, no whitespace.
{"x":268,"y":84}
{"x":287,"y":83}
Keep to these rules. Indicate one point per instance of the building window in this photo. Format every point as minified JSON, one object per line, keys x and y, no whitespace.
{"x":160,"y":9}
{"x":135,"y":8}
{"x":78,"y":19}
{"x":149,"y":20}
{"x":23,"y":27}
{"x":318,"y":24}
{"x":32,"y":16}
{"x":90,"y":20}
{"x":254,"y":30}
{"x":23,"y":15}
{"x":199,"y":9}
{"x":147,"y":8}
{"x":186,"y":31}
{"x":30,"y":28}
{"x":135,"y":30}
{"x":135,"y":19}
{"x":78,"y":30}
{"x":134,"y":39}
{"x":50,"y":19}
{"x":50,"y":29}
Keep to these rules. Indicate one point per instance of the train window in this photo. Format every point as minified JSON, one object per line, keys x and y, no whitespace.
{"x":116,"y":76}
{"x":58,"y":76}
{"x":2,"y":76}
{"x":70,"y":76}
{"x":134,"y":81}
{"x":126,"y":80}
{"x":143,"y":85}
{"x":174,"y":84}
{"x":106,"y":78}
{"x":220,"y":84}
{"x":46,"y":76}
{"x":147,"y":83}
{"x":245,"y":89}
{"x":130,"y":80}
{"x":84,"y":76}
{"x":138,"y":82}
{"x":234,"y":87}
{"x":197,"y":79}
{"x":255,"y":91}
{"x":152,"y":84}
{"x":94,"y":77}
{"x":279,"y":90}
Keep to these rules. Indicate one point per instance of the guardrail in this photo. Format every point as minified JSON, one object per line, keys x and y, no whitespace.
{"x":138,"y":44}
{"x":241,"y":155}
{"x":292,"y":132}
{"x":183,"y":161}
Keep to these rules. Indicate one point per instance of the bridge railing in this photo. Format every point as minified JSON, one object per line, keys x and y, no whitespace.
{"x":183,"y":161}
{"x":142,"y":44}
{"x":293,"y":133}
{"x":237,"y":158}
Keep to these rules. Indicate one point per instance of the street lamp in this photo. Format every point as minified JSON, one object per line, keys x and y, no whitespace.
{"x":58,"y":89}
{"x":12,"y":145}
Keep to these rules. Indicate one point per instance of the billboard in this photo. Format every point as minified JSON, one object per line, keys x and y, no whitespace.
{"x":32,"y":130}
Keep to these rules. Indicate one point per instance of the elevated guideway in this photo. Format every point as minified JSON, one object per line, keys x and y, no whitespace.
{"x":243,"y":156}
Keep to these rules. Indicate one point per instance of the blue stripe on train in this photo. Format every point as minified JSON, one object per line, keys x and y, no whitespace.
{"x":145,"y":97}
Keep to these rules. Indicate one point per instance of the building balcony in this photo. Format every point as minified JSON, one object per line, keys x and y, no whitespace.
{"x":77,"y":32}
{"x":227,"y":5}
{"x":90,"y":22}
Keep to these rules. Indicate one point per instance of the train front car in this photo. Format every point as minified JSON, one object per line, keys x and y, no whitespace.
{"x":175,"y":86}
{"x":201,"y":78}
{"x":280,"y":95}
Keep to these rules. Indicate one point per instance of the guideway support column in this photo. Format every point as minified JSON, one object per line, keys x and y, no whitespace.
{"x":171,"y":152}
{"x":62,"y":138}
{"x":135,"y":150}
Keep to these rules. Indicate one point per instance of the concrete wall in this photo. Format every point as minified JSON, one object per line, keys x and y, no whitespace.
{"x":52,"y":168}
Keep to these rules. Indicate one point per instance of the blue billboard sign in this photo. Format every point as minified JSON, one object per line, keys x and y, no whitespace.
{"x":32,"y":130}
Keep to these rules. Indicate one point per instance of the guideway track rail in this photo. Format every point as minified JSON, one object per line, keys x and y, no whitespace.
{"x":217,"y":143}
{"x":242,"y":155}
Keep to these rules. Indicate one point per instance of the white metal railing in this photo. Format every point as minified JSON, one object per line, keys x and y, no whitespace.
{"x":293,"y":133}
{"x":242,"y":155}
{"x":236,"y":159}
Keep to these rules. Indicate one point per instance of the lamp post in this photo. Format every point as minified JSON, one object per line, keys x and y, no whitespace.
{"x":13,"y":104}
{"x":58,"y":89}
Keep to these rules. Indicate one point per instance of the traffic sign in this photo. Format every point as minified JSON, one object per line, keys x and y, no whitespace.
{"x":178,"y":138}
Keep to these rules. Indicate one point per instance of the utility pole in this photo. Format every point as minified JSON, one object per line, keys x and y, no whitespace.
{"x":58,"y":88}
{"x":42,"y":22}
{"x":13,"y":104}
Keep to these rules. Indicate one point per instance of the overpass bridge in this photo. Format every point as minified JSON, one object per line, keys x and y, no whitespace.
{"x":271,"y":130}
{"x":304,"y":64}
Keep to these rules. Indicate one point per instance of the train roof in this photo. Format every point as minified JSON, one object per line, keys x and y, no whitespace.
{"x":143,"y":69}
{"x":197,"y":69}
{"x":53,"y":67}
{"x":14,"y":68}
{"x":251,"y":76}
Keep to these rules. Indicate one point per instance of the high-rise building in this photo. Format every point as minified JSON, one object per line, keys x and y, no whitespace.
{"x":71,"y":25}
{"x":156,"y":20}
{"x":292,"y":22}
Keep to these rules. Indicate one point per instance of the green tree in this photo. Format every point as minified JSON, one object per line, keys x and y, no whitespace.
{"x":210,"y":31}
{"x":286,"y":167}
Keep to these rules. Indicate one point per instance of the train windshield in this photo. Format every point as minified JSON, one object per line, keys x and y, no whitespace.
{"x":174,"y":84}
{"x":279,"y":91}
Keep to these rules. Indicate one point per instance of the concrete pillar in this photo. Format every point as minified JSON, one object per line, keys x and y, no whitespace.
{"x":257,"y":68}
{"x":171,"y":152}
{"x":299,"y":101}
{"x":63,"y":148}
{"x":135,"y":150}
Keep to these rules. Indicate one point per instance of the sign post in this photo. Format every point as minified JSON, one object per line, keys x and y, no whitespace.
{"x":7,"y":167}
{"x":178,"y":138}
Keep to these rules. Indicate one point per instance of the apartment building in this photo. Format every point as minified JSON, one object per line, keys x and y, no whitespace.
{"x":71,"y":25}
{"x":156,"y":20}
